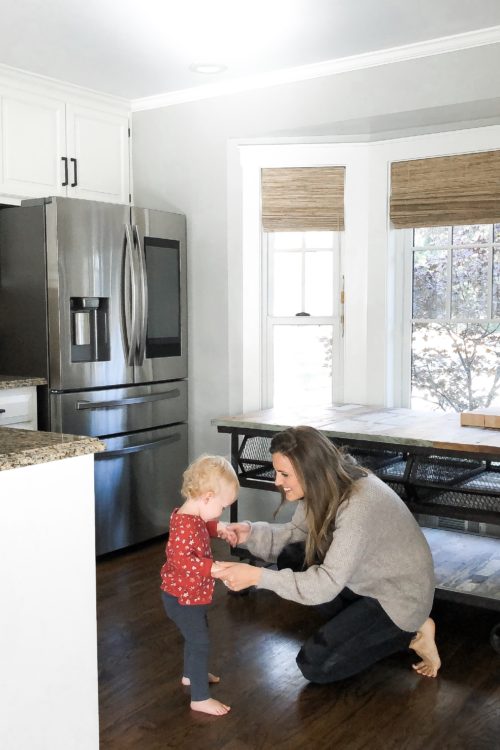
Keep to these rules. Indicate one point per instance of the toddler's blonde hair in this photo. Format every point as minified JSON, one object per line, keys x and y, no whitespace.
{"x":205,"y":474}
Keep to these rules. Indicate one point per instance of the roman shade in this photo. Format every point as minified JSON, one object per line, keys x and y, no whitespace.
{"x":446,"y":190}
{"x":299,"y":199}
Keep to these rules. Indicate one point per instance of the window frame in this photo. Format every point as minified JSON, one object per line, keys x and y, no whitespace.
{"x":269,"y":321}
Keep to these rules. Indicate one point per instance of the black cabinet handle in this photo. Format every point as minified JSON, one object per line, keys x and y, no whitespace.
{"x":75,"y":173}
{"x":65,"y":160}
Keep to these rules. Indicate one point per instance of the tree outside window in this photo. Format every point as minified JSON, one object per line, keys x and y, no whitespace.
{"x":456,"y":317}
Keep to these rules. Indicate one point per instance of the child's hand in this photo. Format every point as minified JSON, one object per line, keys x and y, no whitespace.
{"x":214,"y":569}
{"x":240,"y":530}
{"x":223,"y":532}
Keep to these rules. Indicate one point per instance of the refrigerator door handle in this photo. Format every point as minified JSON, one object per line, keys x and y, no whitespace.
{"x":174,"y":393}
{"x":130,"y":297}
{"x":142,"y":446}
{"x":143,"y":282}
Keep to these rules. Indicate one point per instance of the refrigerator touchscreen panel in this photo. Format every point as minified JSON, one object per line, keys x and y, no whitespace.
{"x":163,"y":336}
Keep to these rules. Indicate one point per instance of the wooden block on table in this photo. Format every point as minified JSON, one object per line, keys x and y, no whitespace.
{"x":471,"y":419}
{"x":482,"y":417}
{"x":492,"y":420}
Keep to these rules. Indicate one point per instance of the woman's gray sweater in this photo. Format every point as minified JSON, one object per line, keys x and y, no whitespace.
{"x":377,"y":550}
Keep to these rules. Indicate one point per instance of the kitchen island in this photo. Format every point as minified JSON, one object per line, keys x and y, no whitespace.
{"x":437,"y":467}
{"x":48,"y":637}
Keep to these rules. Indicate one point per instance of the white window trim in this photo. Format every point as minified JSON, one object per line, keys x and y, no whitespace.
{"x":371,"y":256}
{"x":253,"y":158}
{"x":405,"y":272}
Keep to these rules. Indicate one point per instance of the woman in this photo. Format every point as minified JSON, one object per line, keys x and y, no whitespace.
{"x":363,"y":557}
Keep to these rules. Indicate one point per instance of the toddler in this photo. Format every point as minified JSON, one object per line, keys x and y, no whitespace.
{"x":209,"y":486}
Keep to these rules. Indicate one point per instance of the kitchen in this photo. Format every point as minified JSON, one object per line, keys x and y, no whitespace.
{"x":187,"y":156}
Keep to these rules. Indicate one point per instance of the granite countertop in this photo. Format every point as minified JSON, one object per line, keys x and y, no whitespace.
{"x":27,"y":447}
{"x":18,"y":381}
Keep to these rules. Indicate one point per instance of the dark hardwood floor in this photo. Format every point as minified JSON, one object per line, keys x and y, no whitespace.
{"x":254,"y":642}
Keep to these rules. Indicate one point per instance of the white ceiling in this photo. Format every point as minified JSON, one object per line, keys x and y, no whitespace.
{"x":141,"y":48}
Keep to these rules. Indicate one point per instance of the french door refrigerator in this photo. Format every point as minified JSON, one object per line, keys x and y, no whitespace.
{"x":93,"y":298}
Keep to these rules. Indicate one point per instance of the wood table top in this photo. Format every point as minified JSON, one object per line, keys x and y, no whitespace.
{"x":396,"y":426}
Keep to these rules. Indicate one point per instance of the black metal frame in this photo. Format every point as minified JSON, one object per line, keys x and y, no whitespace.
{"x":423,"y":475}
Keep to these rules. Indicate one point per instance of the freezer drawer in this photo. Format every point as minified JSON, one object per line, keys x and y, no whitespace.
{"x":137,"y":485}
{"x":113,"y":410}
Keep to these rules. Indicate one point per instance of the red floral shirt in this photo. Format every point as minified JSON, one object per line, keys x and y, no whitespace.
{"x":186,"y":573}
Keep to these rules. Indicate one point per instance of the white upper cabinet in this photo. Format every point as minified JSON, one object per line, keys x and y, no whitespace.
{"x":57,"y":146}
{"x":33,"y":139}
{"x":97,"y":146}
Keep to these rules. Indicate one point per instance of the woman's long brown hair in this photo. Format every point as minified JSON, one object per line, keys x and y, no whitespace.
{"x":327,"y":476}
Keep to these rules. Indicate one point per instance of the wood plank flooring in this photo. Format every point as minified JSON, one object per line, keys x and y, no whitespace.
{"x":255,"y":639}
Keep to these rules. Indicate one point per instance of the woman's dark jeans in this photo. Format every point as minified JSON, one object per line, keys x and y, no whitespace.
{"x":357,"y":632}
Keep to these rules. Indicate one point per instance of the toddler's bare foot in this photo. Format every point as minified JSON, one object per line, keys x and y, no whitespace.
{"x":212,"y":679}
{"x":210,"y":706}
{"x":425,"y":646}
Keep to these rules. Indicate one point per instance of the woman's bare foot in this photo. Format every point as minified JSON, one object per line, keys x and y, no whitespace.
{"x":425,"y":646}
{"x":210,"y":706}
{"x":212,"y":679}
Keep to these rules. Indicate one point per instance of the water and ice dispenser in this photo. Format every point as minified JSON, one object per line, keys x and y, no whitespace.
{"x":89,"y":329}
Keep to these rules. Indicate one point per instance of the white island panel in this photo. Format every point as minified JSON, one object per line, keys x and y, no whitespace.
{"x":48,"y":638}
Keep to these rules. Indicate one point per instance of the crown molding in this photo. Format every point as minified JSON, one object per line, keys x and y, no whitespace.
{"x":442,"y":45}
{"x":18,"y":78}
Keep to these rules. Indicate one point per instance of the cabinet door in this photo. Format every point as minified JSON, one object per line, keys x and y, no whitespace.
{"x":33,"y":142}
{"x":99,"y":143}
{"x":18,"y":408}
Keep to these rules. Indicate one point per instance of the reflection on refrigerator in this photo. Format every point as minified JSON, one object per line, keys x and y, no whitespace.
{"x":93,"y":298}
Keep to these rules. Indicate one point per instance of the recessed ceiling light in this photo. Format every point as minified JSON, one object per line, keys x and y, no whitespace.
{"x":209,"y":68}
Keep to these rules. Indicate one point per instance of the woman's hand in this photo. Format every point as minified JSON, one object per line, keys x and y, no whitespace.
{"x":236,"y":576}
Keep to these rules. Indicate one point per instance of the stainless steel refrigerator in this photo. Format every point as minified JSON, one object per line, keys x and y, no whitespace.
{"x":93,"y":297}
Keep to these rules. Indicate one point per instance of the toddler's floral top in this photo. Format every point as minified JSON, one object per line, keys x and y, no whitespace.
{"x":186,"y":573}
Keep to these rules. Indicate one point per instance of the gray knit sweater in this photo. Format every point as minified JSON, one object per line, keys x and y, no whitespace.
{"x":377,"y":550}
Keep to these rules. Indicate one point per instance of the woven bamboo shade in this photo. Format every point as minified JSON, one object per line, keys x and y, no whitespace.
{"x":299,"y":199}
{"x":463,"y":189}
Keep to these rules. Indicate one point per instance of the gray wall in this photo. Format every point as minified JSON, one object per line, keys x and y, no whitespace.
{"x":184,"y":160}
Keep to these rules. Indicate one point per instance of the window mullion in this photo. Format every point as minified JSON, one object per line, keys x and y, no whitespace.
{"x":449,"y":282}
{"x":489,"y":291}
